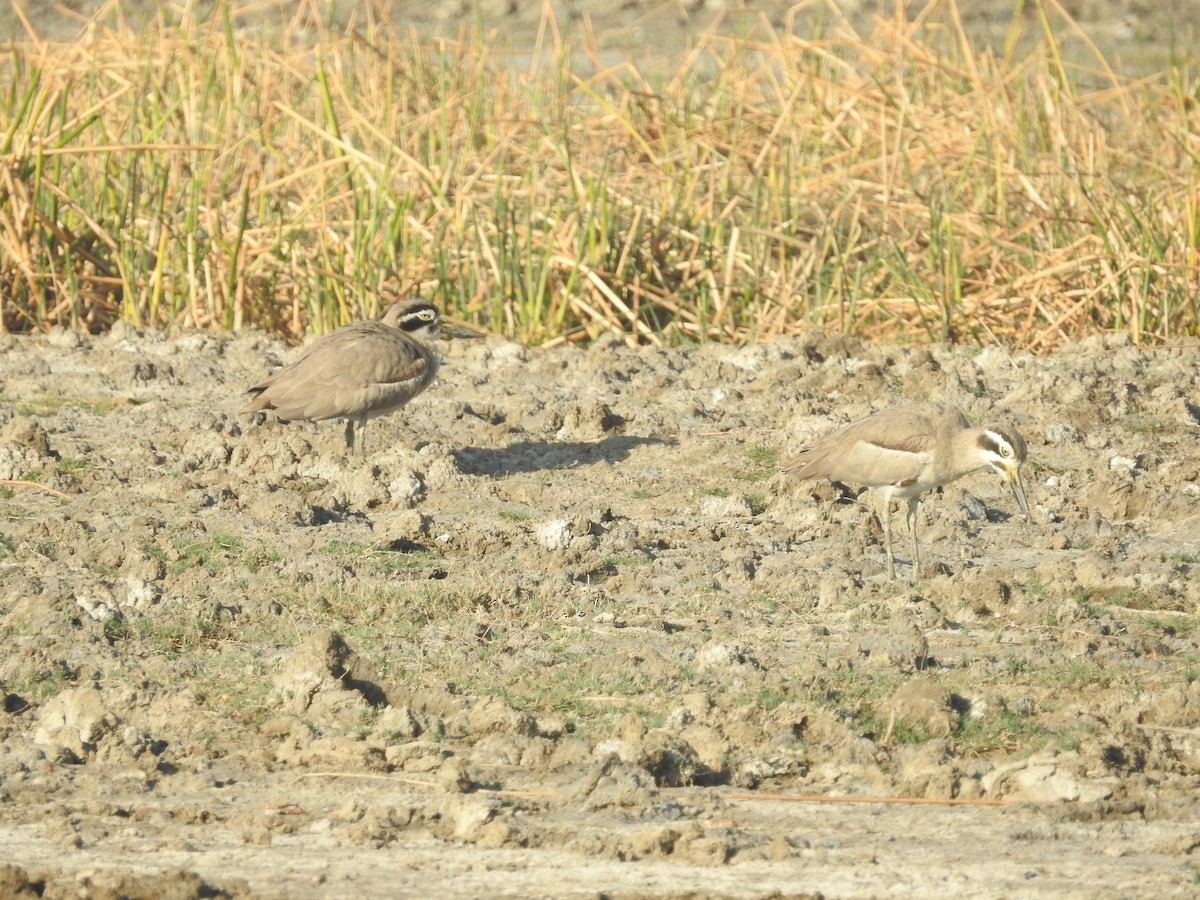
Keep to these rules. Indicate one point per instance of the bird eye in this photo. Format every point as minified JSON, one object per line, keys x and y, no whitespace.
{"x":1006,"y":452}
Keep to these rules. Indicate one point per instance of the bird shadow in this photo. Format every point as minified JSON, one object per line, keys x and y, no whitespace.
{"x":538,"y":456}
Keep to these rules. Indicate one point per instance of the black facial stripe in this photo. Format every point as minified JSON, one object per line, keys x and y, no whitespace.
{"x":994,"y":439}
{"x":420,"y":317}
{"x":988,"y":441}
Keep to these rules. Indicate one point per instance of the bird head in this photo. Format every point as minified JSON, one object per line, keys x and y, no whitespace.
{"x":1003,"y":451}
{"x":422,"y":320}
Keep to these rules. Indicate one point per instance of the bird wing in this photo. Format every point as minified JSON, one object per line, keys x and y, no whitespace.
{"x":361,"y":368}
{"x":889,"y":447}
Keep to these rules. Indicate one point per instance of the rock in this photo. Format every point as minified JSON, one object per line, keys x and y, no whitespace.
{"x":71,"y":724}
{"x":397,"y":723}
{"x":26,"y":432}
{"x":612,"y":782}
{"x":492,"y":714}
{"x":554,"y":535}
{"x":588,"y":421}
{"x":924,"y":704}
{"x":324,"y":675}
{"x":717,"y":655}
{"x":1046,"y":778}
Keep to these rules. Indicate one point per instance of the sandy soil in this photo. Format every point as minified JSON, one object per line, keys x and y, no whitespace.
{"x":567,"y":631}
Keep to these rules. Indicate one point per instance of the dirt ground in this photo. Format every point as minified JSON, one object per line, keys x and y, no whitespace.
{"x":566,"y":631}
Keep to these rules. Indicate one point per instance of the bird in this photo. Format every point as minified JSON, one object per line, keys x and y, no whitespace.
{"x":903,"y":452}
{"x":361,"y":370}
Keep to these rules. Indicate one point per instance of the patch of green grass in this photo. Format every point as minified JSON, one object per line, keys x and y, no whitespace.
{"x":902,"y":731}
{"x":652,"y":719}
{"x":386,"y":560}
{"x":106,"y":570}
{"x":715,"y":491}
{"x":1039,"y":469}
{"x":1035,"y":587}
{"x":40,"y":685}
{"x":853,"y":694}
{"x":765,"y":465}
{"x":999,"y":730}
{"x":1067,"y":742}
{"x":215,"y":552}
{"x":763,"y":456}
{"x":1088,"y":607}
{"x":154,"y":551}
{"x":515,"y":515}
{"x":305,"y":486}
{"x":48,"y":406}
{"x":1143,"y":601}
{"x":771,"y":696}
{"x":172,"y":637}
{"x":627,"y":562}
{"x":73,"y":464}
{"x":1016,"y":666}
{"x":1145,"y":426}
{"x":389,"y":561}
{"x":582,"y":691}
{"x":379,"y":612}
{"x":640,"y":494}
{"x":1172,"y":626}
{"x":238,"y":687}
{"x":345,"y":548}
{"x":1076,"y":673}
{"x":14,"y":511}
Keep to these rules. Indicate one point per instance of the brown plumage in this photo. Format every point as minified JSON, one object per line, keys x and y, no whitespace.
{"x":361,"y":370}
{"x":901,"y":453}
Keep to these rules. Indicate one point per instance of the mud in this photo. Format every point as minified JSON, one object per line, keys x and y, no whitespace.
{"x":566,"y":630}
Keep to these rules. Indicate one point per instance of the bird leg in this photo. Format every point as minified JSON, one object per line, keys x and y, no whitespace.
{"x":887,"y":536}
{"x":362,"y":435}
{"x":911,"y":518}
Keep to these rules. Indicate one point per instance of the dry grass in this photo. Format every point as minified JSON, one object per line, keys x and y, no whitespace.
{"x":896,"y":185}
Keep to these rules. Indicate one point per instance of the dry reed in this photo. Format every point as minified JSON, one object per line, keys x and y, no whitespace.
{"x":897,"y":185}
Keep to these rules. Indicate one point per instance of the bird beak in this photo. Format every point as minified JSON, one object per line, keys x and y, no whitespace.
{"x":453,"y":329}
{"x":1012,"y":475}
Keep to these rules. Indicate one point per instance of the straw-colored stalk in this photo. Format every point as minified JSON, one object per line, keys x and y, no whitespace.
{"x":901,"y":184}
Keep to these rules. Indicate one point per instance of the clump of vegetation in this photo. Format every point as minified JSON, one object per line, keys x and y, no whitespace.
{"x":904,"y":184}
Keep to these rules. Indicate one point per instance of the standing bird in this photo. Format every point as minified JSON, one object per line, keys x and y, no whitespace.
{"x":902,"y":453}
{"x":361,"y":370}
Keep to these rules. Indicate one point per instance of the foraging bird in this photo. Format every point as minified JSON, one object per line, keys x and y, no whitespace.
{"x":361,"y":370}
{"x":902,"y":453}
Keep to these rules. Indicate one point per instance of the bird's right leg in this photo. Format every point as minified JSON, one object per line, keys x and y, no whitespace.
{"x":887,"y":536}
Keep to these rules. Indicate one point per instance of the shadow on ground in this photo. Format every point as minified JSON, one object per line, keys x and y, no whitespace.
{"x":538,"y":456}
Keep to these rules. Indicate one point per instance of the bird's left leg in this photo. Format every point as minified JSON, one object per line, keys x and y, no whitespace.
{"x":911,"y":518}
